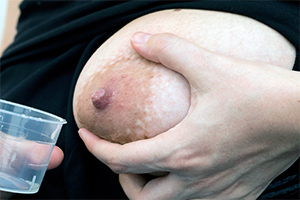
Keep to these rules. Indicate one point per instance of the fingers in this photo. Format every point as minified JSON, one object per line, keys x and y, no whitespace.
{"x":137,"y":186}
{"x":56,"y":158}
{"x":175,"y":53}
{"x":137,"y":157}
{"x":37,"y":154}
{"x":132,"y":184}
{"x":100,"y":148}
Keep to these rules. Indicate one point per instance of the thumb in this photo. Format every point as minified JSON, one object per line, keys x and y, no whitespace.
{"x":175,"y":53}
{"x":56,"y":158}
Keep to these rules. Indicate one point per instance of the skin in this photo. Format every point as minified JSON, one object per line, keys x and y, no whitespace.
{"x":12,"y":15}
{"x":57,"y":157}
{"x":207,"y":154}
{"x":11,"y":19}
{"x":231,"y":149}
{"x":144,"y":99}
{"x":57,"y":154}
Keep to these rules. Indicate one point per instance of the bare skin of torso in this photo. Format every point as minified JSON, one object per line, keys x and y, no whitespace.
{"x":122,"y":97}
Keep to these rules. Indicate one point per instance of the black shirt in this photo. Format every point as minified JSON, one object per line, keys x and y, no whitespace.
{"x":54,"y":41}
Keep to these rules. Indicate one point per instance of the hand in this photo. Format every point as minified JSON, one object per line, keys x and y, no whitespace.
{"x":57,"y":157}
{"x":36,"y":157}
{"x":242,"y":129}
{"x":34,"y":153}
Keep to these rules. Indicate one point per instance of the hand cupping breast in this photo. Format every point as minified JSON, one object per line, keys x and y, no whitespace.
{"x":123,"y":97}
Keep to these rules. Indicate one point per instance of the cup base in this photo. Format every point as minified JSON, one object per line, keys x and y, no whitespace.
{"x":16,"y":185}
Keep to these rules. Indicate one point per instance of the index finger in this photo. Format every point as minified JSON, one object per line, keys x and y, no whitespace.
{"x":141,"y":156}
{"x":174,"y":53}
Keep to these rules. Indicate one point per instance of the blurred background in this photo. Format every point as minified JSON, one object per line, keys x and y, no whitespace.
{"x":9,"y":15}
{"x":3,"y":6}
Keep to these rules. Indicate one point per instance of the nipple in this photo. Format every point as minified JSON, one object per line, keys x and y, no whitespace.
{"x":102,"y":98}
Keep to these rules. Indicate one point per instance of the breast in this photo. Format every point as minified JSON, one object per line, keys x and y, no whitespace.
{"x":143,"y":98}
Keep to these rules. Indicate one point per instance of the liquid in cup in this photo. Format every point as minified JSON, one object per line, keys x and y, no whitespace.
{"x":27,"y":138}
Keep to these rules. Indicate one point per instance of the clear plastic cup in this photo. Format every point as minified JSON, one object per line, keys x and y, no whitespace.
{"x":27,"y":138}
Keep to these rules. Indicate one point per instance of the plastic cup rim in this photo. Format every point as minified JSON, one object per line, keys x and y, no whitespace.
{"x":59,"y":119}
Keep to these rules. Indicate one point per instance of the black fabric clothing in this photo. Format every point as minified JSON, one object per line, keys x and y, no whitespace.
{"x":54,"y":41}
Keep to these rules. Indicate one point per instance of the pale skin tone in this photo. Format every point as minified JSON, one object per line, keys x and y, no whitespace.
{"x":8,"y":36}
{"x":10,"y":31}
{"x":137,"y":187}
{"x":236,"y":138}
{"x":55,"y":160}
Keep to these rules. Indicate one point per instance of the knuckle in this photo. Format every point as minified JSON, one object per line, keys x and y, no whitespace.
{"x":178,"y":162}
{"x":162,"y":43}
{"x":187,"y":162}
{"x":115,"y":165}
{"x":165,"y":42}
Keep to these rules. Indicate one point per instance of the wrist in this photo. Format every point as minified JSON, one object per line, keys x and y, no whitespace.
{"x":286,"y":107}
{"x":293,"y":89}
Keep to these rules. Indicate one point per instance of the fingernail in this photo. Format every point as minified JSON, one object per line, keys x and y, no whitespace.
{"x":82,"y":133}
{"x":61,"y":151}
{"x":140,"y":38}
